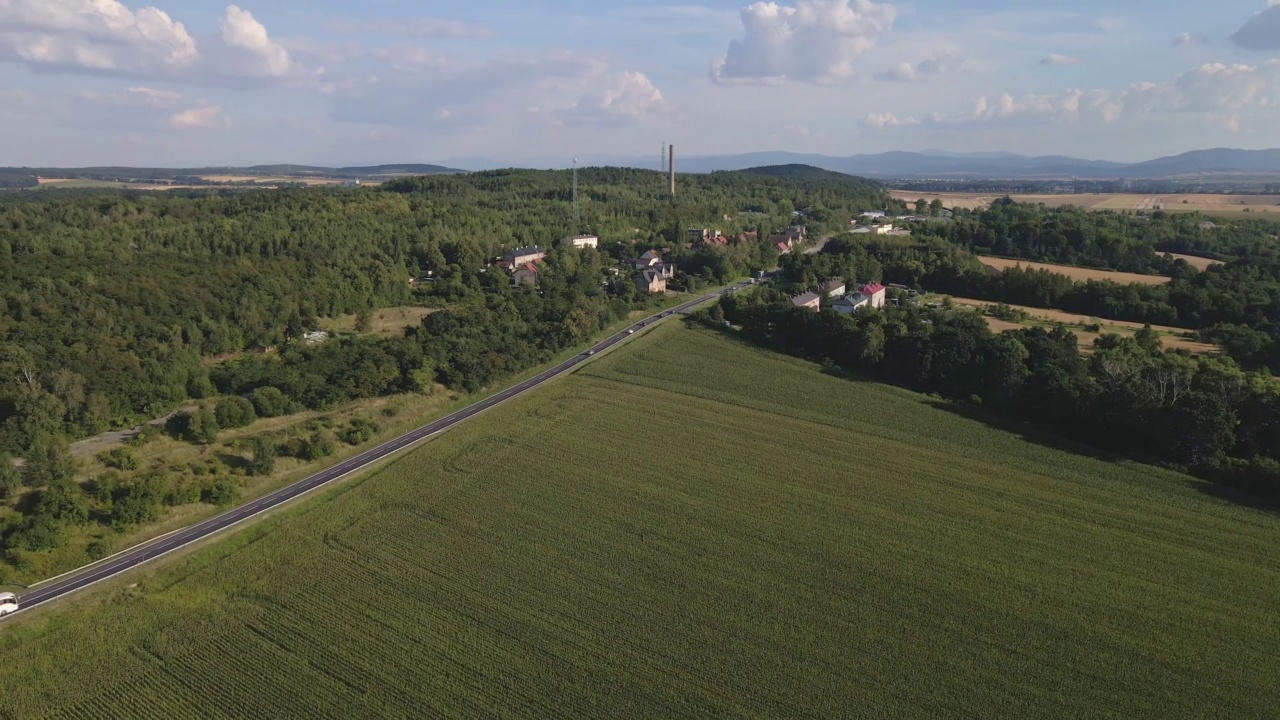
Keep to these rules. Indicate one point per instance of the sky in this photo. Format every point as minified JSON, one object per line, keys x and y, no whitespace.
{"x":186,"y":83}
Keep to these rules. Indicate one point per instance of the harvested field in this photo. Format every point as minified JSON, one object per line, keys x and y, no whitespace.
{"x":1196,"y":262}
{"x":827,"y":548}
{"x":1210,"y":204}
{"x":1171,"y":337}
{"x":1076,"y":273}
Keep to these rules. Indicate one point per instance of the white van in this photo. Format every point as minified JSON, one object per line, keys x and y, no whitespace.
{"x":8,"y":604}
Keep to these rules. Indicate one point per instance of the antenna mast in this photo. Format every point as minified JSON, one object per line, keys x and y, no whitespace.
{"x":575,"y":195}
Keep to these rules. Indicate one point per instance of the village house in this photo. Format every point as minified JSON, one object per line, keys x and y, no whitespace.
{"x":810,"y":301}
{"x":872,"y":295}
{"x":832,"y":289}
{"x":704,"y":234}
{"x":523,"y":255}
{"x":651,"y":281}
{"x":782,"y":246}
{"x":527,"y":275}
{"x":580,"y":242}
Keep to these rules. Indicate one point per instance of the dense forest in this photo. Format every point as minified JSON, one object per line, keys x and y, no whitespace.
{"x":116,"y":307}
{"x":111,"y":303}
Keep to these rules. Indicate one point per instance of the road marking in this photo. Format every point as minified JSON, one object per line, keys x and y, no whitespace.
{"x":102,"y":570}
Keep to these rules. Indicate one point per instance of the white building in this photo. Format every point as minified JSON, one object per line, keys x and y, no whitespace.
{"x":583,"y":241}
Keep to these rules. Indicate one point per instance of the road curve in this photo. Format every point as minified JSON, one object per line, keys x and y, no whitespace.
{"x":80,"y":579}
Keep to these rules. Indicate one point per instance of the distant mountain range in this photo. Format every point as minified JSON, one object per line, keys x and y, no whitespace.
{"x":1216,"y":164}
{"x":265,"y":171}
{"x":940,"y":164}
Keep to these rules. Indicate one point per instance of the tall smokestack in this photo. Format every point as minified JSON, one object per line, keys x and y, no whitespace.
{"x":671,"y":168}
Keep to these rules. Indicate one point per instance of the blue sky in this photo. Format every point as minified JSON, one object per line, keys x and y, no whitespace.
{"x":181,"y":82}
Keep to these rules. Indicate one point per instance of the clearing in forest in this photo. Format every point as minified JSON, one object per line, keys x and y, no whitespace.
{"x":1075,"y":273}
{"x":689,"y":527}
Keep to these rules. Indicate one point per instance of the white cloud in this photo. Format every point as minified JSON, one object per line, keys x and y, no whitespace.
{"x":1058,"y":60}
{"x":1225,"y":95}
{"x":415,"y":28}
{"x":423,"y":88}
{"x":623,"y":99}
{"x":1262,"y":31}
{"x":105,"y":37}
{"x":200,"y":117}
{"x":938,"y":64}
{"x":100,"y":36}
{"x":1185,"y":40}
{"x":153,"y":97}
{"x":816,"y":41}
{"x":886,"y":120}
{"x":261,"y":56}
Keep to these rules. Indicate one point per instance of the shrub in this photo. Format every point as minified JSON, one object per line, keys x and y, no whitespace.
{"x":222,"y":492}
{"x":263,"y":460}
{"x":235,"y":412}
{"x":120,"y":459}
{"x":182,"y":494}
{"x":97,"y":549}
{"x":199,"y":427}
{"x":269,"y":402}
{"x":359,"y":432}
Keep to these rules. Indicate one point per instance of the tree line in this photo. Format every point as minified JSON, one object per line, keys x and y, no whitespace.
{"x":1202,"y":414}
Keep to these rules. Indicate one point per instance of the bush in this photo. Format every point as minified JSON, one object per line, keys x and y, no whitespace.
{"x":359,"y":432}
{"x":10,"y":479}
{"x":182,"y":494}
{"x":199,"y":427}
{"x":263,"y":461}
{"x":223,"y":492}
{"x":235,"y":412}
{"x":119,"y":458}
{"x":97,"y":550}
{"x":269,"y":402}
{"x":138,"y":503}
{"x":39,"y":533}
{"x":317,"y":447}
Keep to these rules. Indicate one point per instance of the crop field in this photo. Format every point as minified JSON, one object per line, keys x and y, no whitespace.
{"x":1211,"y":204}
{"x":1199,"y":263}
{"x":689,"y":527}
{"x":1076,"y":273}
{"x":1171,"y":337}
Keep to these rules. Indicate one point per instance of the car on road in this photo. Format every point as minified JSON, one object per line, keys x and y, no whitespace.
{"x":631,"y":331}
{"x":591,"y":352}
{"x":8,"y":604}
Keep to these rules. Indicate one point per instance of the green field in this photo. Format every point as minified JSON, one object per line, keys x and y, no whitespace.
{"x":690,"y":527}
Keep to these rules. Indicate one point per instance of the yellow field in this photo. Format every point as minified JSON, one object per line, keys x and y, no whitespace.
{"x":1171,"y":337}
{"x":1076,"y":273}
{"x":1198,"y":263}
{"x":1233,"y":205}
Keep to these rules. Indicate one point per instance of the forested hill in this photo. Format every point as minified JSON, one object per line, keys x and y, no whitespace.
{"x":807,"y":173}
{"x":110,"y":302}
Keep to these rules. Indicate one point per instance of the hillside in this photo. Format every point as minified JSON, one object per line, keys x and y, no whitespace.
{"x":790,"y":545}
{"x":806,"y":173}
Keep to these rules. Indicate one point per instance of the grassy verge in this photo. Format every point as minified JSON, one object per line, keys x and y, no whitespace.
{"x":393,"y":416}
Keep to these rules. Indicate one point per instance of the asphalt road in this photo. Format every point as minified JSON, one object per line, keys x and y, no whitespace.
{"x":111,"y":567}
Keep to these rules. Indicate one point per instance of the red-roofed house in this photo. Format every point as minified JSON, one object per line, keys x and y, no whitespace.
{"x":527,"y":274}
{"x":876,"y":293}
